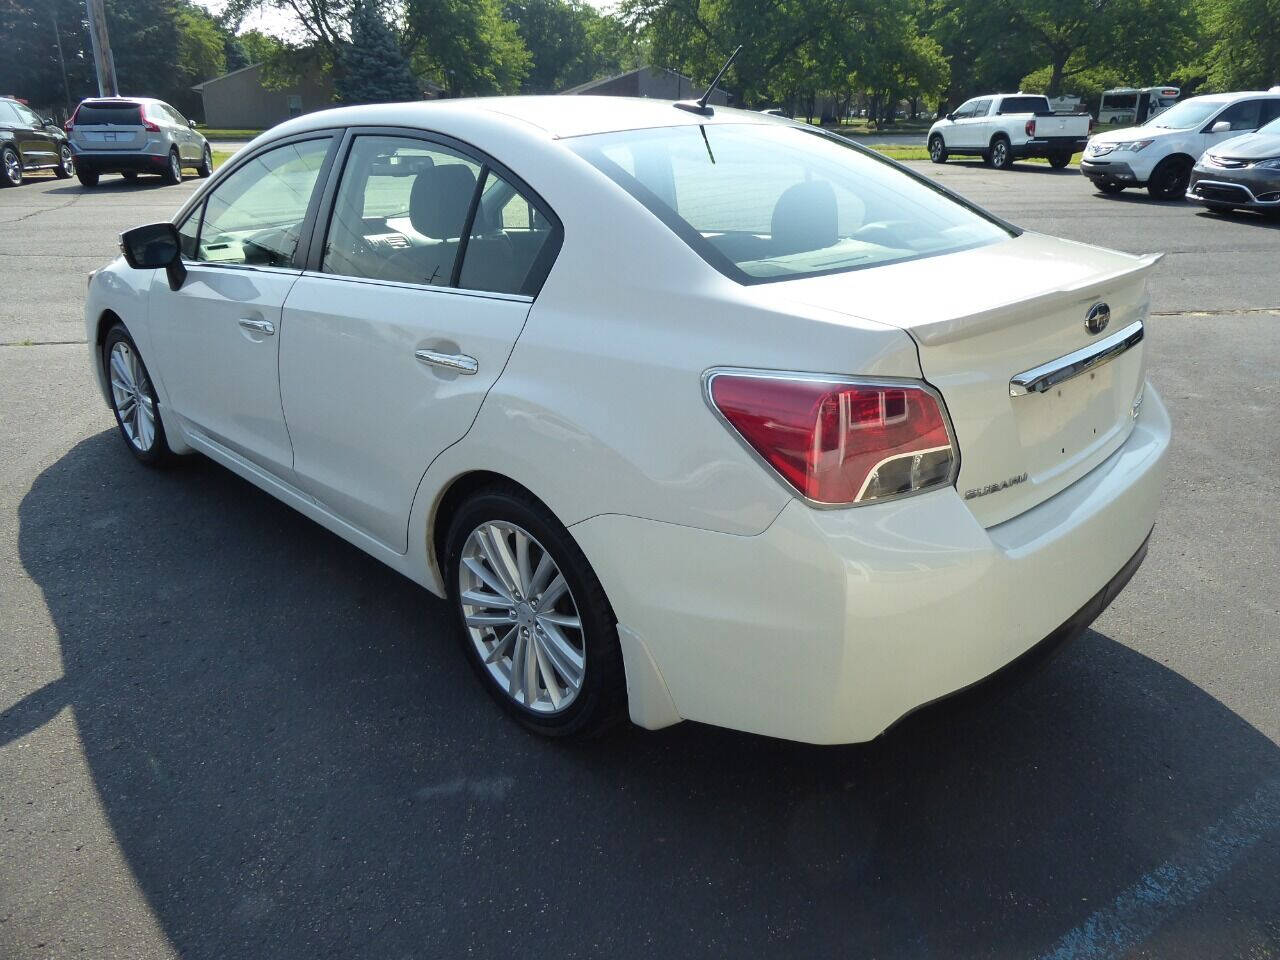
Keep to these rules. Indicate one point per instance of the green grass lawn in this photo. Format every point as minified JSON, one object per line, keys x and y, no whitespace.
{"x":903,"y":152}
{"x":220,"y":157}
{"x":216,"y":133}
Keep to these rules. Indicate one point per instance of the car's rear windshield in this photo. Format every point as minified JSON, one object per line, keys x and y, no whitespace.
{"x":112,"y":114}
{"x":764,"y":202}
{"x":1024,"y":105}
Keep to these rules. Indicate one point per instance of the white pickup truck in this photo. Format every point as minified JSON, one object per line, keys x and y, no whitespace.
{"x":1004,"y":127}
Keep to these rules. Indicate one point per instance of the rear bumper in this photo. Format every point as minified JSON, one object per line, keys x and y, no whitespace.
{"x":1048,"y":146}
{"x":121,"y":162}
{"x":1110,"y":170}
{"x":1256,"y":189}
{"x":832,"y":625}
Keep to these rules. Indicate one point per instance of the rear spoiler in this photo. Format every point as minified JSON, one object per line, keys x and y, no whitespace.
{"x":959,"y":328}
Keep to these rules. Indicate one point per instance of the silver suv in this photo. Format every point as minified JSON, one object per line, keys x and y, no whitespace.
{"x":133,"y":135}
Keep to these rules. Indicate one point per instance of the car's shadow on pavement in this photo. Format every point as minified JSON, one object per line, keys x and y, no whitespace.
{"x":297,"y":762}
{"x":117,"y":185}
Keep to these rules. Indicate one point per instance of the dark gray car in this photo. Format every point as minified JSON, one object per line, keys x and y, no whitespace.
{"x":133,"y":135}
{"x":1243,"y":172}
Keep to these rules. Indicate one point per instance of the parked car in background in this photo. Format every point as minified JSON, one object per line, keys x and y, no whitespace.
{"x":30,"y":142}
{"x":1161,"y":153}
{"x":1002,"y":128}
{"x":1126,"y":106}
{"x":1243,"y":172}
{"x":133,"y":135}
{"x":666,"y":404}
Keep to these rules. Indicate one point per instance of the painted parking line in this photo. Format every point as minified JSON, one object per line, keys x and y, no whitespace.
{"x":1141,"y":909}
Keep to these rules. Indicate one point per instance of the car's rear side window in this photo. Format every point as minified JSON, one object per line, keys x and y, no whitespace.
{"x":770,"y":202}
{"x":508,"y":237}
{"x":113,"y":114}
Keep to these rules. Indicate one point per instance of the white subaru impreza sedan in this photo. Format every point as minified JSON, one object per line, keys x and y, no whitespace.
{"x":706,"y":416}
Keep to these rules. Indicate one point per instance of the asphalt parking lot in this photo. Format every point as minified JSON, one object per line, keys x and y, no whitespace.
{"x":226,"y":733}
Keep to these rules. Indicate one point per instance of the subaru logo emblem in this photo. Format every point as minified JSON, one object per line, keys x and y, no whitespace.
{"x":1097,"y":318}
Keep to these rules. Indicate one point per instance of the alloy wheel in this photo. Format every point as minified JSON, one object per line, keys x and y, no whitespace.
{"x":522,"y":617}
{"x":131,"y":396}
{"x":12,"y":167}
{"x":999,"y":153}
{"x":175,"y":167}
{"x":68,"y":163}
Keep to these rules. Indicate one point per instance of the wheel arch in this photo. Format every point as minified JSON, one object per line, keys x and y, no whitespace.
{"x":999,"y":135}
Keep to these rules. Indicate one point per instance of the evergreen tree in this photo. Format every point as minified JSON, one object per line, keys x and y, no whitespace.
{"x":375,"y":69}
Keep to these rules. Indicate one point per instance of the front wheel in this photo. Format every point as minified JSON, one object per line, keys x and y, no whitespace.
{"x":173,"y":173}
{"x":1000,"y":154}
{"x":10,"y":168}
{"x":206,"y":163}
{"x":133,"y":397}
{"x":66,"y":163}
{"x":1059,"y":160}
{"x":937,"y":149}
{"x":1170,"y":178}
{"x":533,"y":617}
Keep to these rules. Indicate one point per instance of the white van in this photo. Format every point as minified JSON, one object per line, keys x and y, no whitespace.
{"x":1125,"y":106}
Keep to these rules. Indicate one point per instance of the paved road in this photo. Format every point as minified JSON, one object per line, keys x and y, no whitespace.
{"x":225,"y":733}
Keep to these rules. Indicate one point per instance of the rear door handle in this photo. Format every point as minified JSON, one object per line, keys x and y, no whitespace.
{"x":457,"y":362}
{"x":264,"y":327}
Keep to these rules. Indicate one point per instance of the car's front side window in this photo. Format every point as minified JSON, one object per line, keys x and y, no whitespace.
{"x":765,"y":202}
{"x":255,"y":216}
{"x":401,"y":211}
{"x":1243,"y":116}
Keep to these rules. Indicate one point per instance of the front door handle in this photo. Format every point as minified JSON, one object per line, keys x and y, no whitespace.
{"x":457,"y":362}
{"x":264,"y":327}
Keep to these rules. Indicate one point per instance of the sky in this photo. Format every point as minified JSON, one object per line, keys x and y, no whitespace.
{"x":282,"y":25}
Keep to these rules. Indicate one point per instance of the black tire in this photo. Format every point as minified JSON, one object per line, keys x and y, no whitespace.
{"x":206,"y":163}
{"x":1000,"y":155}
{"x":10,"y":168}
{"x":1059,"y":160}
{"x":601,"y":699}
{"x":937,"y":149}
{"x":1110,"y":187}
{"x":156,"y":452}
{"x":130,"y":176}
{"x":1170,"y":178}
{"x":173,"y":171}
{"x":87,"y":178}
{"x":66,"y":164}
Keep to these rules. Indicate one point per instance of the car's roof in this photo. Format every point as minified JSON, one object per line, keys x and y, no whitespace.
{"x":1234,"y":95}
{"x":556,"y":116}
{"x":100,"y":101}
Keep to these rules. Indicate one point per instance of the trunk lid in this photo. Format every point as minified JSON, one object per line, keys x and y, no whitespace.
{"x":1062,"y":125}
{"x":109,"y":126}
{"x":983,"y":317}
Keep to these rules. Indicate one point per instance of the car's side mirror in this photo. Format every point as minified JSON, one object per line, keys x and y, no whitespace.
{"x":48,"y":122}
{"x":1222,"y":126}
{"x":951,"y":117}
{"x":154,"y":246}
{"x":191,"y":124}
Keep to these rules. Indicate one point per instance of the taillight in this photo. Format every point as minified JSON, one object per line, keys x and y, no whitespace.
{"x":1031,"y":127}
{"x":147,"y":122}
{"x":71,"y":120}
{"x":839,"y":442}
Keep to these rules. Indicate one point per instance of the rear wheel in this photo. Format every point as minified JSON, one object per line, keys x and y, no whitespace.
{"x":1110,"y":186}
{"x":10,"y":168}
{"x":533,"y":617}
{"x":66,"y":164}
{"x":1059,"y":160}
{"x":173,"y":172}
{"x":1000,"y":155}
{"x":1170,"y":178}
{"x":133,"y":397}
{"x":937,"y":149}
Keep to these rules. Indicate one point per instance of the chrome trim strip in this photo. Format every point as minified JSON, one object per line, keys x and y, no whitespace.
{"x":457,"y":362}
{"x":1048,"y":375}
{"x":709,"y":375}
{"x":1253,"y":198}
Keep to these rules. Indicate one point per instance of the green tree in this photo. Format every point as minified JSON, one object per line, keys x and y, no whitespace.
{"x":563,"y":42}
{"x":1246,"y":44}
{"x":202,"y":55}
{"x":466,"y":46}
{"x":375,"y":69}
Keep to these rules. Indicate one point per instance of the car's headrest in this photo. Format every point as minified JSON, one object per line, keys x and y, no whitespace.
{"x":439,"y":200}
{"x":805,"y":218}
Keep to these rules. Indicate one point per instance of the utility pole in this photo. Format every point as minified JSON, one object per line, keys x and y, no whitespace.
{"x":102,"y":49}
{"x":62,"y":64}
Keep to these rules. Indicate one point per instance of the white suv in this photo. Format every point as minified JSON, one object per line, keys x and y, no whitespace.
{"x":1160,"y":153}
